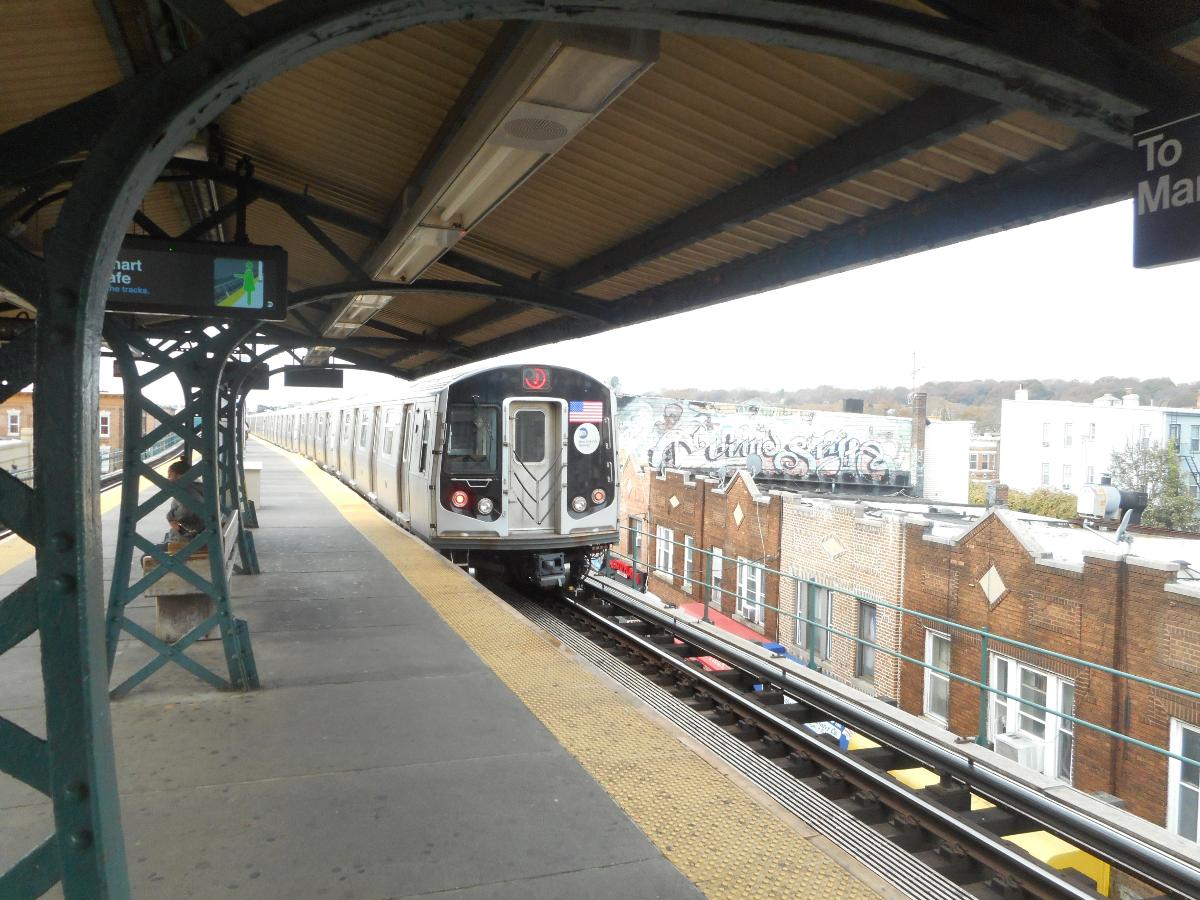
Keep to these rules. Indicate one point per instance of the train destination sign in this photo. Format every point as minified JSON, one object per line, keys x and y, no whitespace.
{"x":1166,"y":225}
{"x":193,"y":278}
{"x":304,"y":376}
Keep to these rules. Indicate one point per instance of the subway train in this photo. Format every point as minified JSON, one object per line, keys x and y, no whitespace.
{"x":511,"y":467}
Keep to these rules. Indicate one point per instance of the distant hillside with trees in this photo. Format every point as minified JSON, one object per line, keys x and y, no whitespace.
{"x":976,"y":400}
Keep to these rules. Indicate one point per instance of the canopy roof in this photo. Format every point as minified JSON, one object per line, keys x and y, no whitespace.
{"x":698,"y":165}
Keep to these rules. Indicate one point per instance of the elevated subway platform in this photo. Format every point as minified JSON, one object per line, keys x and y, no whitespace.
{"x":413,"y":737}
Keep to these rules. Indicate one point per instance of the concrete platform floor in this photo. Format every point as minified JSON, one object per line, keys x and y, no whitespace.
{"x":383,"y":757}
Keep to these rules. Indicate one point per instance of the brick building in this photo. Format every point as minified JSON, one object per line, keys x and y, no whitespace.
{"x":17,"y":422}
{"x":1073,"y":592}
{"x":736,"y":522}
{"x":860,"y":547}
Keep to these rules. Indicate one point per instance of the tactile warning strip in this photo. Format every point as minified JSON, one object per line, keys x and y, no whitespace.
{"x":867,"y":845}
{"x":727,"y":844}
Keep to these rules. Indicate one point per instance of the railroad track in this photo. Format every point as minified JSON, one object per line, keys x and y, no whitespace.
{"x":929,"y":842}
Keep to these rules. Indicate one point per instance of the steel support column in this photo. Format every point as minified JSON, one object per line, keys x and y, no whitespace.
{"x":208,"y":489}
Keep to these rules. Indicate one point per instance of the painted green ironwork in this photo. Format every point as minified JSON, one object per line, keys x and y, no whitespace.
{"x":207,"y":426}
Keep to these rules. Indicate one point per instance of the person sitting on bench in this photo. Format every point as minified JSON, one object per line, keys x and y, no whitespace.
{"x":185,"y":523}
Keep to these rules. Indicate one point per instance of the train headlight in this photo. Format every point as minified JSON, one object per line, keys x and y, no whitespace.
{"x":598,"y":496}
{"x":484,"y":506}
{"x":459,"y":499}
{"x":579,"y":504}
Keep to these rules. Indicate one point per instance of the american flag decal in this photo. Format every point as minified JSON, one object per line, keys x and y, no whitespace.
{"x":585,"y":411}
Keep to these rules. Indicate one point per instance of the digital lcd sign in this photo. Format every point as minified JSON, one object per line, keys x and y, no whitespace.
{"x":193,"y":278}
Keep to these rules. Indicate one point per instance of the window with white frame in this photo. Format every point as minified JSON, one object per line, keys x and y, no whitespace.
{"x":1091,"y":431}
{"x":1067,"y":438}
{"x":1066,"y":476}
{"x":637,"y":529}
{"x":1183,"y":797}
{"x":718,"y":565}
{"x":663,"y":547}
{"x":105,"y":423}
{"x":14,"y":422}
{"x":815,"y":606}
{"x":751,"y":591}
{"x":937,"y":685}
{"x":1045,"y":474}
{"x":868,"y":621}
{"x":1195,"y":439}
{"x":1144,"y":435}
{"x":1091,"y":474}
{"x":1045,"y":434}
{"x":688,"y":550}
{"x":1049,"y":738}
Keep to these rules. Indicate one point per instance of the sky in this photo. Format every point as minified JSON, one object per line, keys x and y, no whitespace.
{"x":1058,"y":299}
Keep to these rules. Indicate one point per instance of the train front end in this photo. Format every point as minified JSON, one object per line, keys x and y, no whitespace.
{"x":528,"y":471}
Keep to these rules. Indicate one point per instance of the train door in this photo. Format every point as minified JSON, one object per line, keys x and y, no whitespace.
{"x":535,"y":471}
{"x":387,"y":451}
{"x":406,"y":442}
{"x":420,"y":449}
{"x":362,"y":448}
{"x":345,"y":454}
{"x":373,"y":445}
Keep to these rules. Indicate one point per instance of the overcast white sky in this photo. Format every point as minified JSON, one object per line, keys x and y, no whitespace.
{"x":1059,"y":299}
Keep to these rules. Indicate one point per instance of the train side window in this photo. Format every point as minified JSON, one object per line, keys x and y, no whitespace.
{"x":530,"y":428}
{"x":389,"y":432}
{"x":424,"y":441}
{"x":362,"y":432}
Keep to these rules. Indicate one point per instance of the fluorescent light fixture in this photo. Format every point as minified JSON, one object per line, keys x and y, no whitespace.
{"x":556,"y":81}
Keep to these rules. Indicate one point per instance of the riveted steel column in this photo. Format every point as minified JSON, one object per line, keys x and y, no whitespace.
{"x":198,"y":425}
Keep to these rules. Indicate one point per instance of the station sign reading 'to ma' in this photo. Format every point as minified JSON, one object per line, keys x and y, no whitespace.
{"x":1166,"y":198}
{"x":194,"y":278}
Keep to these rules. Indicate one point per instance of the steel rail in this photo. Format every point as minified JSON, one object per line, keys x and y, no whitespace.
{"x":1150,"y":864}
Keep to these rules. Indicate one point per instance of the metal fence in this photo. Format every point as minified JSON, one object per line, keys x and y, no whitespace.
{"x":816,"y":631}
{"x":159,"y":449}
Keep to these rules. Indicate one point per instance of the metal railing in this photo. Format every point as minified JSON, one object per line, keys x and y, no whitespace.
{"x":988,"y":640}
{"x":157,"y":450}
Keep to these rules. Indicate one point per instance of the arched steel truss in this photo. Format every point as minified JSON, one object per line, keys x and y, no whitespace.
{"x":130,"y":131}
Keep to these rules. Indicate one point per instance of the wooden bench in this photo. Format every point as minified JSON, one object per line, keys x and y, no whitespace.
{"x":180,"y":606}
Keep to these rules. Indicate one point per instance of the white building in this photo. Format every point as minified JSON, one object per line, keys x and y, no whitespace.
{"x":1063,"y":445}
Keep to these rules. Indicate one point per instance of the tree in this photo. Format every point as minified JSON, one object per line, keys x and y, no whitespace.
{"x":1155,"y":470}
{"x":1045,"y":502}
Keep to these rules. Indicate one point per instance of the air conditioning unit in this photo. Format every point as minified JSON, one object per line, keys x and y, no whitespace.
{"x":1024,"y":751}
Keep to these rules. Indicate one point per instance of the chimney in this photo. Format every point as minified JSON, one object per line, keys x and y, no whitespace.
{"x":855,"y":404}
{"x":997,"y":494}
{"x":919,"y":420}
{"x":1023,"y":394}
{"x":1131,"y":400}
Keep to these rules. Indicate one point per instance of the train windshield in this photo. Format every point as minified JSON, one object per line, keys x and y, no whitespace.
{"x":471,"y":443}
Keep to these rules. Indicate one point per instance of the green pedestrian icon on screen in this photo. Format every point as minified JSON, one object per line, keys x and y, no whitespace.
{"x":238,"y":283}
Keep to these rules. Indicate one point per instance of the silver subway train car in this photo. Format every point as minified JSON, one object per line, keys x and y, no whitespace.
{"x":513,"y":466}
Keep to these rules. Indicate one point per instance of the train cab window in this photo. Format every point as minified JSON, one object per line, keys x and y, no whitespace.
{"x":471,"y":439}
{"x":530,"y":433}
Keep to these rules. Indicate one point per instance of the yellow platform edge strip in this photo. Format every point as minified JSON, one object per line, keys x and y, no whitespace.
{"x":720,"y":838}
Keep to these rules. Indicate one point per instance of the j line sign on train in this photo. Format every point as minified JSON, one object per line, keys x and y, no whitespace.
{"x":1166,"y":226}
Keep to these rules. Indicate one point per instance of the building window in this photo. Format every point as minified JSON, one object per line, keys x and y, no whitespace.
{"x":14,"y":422}
{"x":1021,"y":730}
{"x":635,"y":538}
{"x":105,"y":423}
{"x":1183,"y":797}
{"x":1144,"y":436}
{"x":937,"y":686}
{"x":974,"y":461}
{"x":1045,"y":434}
{"x":1045,"y":474}
{"x":813,"y":635}
{"x":662,"y":550}
{"x":688,"y":545}
{"x":1091,"y":473}
{"x":1196,"y":438}
{"x":751,"y":590}
{"x":868,"y":615}
{"x":718,"y":565}
{"x":1066,"y":434}
{"x":1173,"y":438}
{"x":1066,"y":478}
{"x":1091,"y":431}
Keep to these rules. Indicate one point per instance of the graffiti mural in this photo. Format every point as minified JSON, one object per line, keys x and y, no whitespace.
{"x":696,"y":435}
